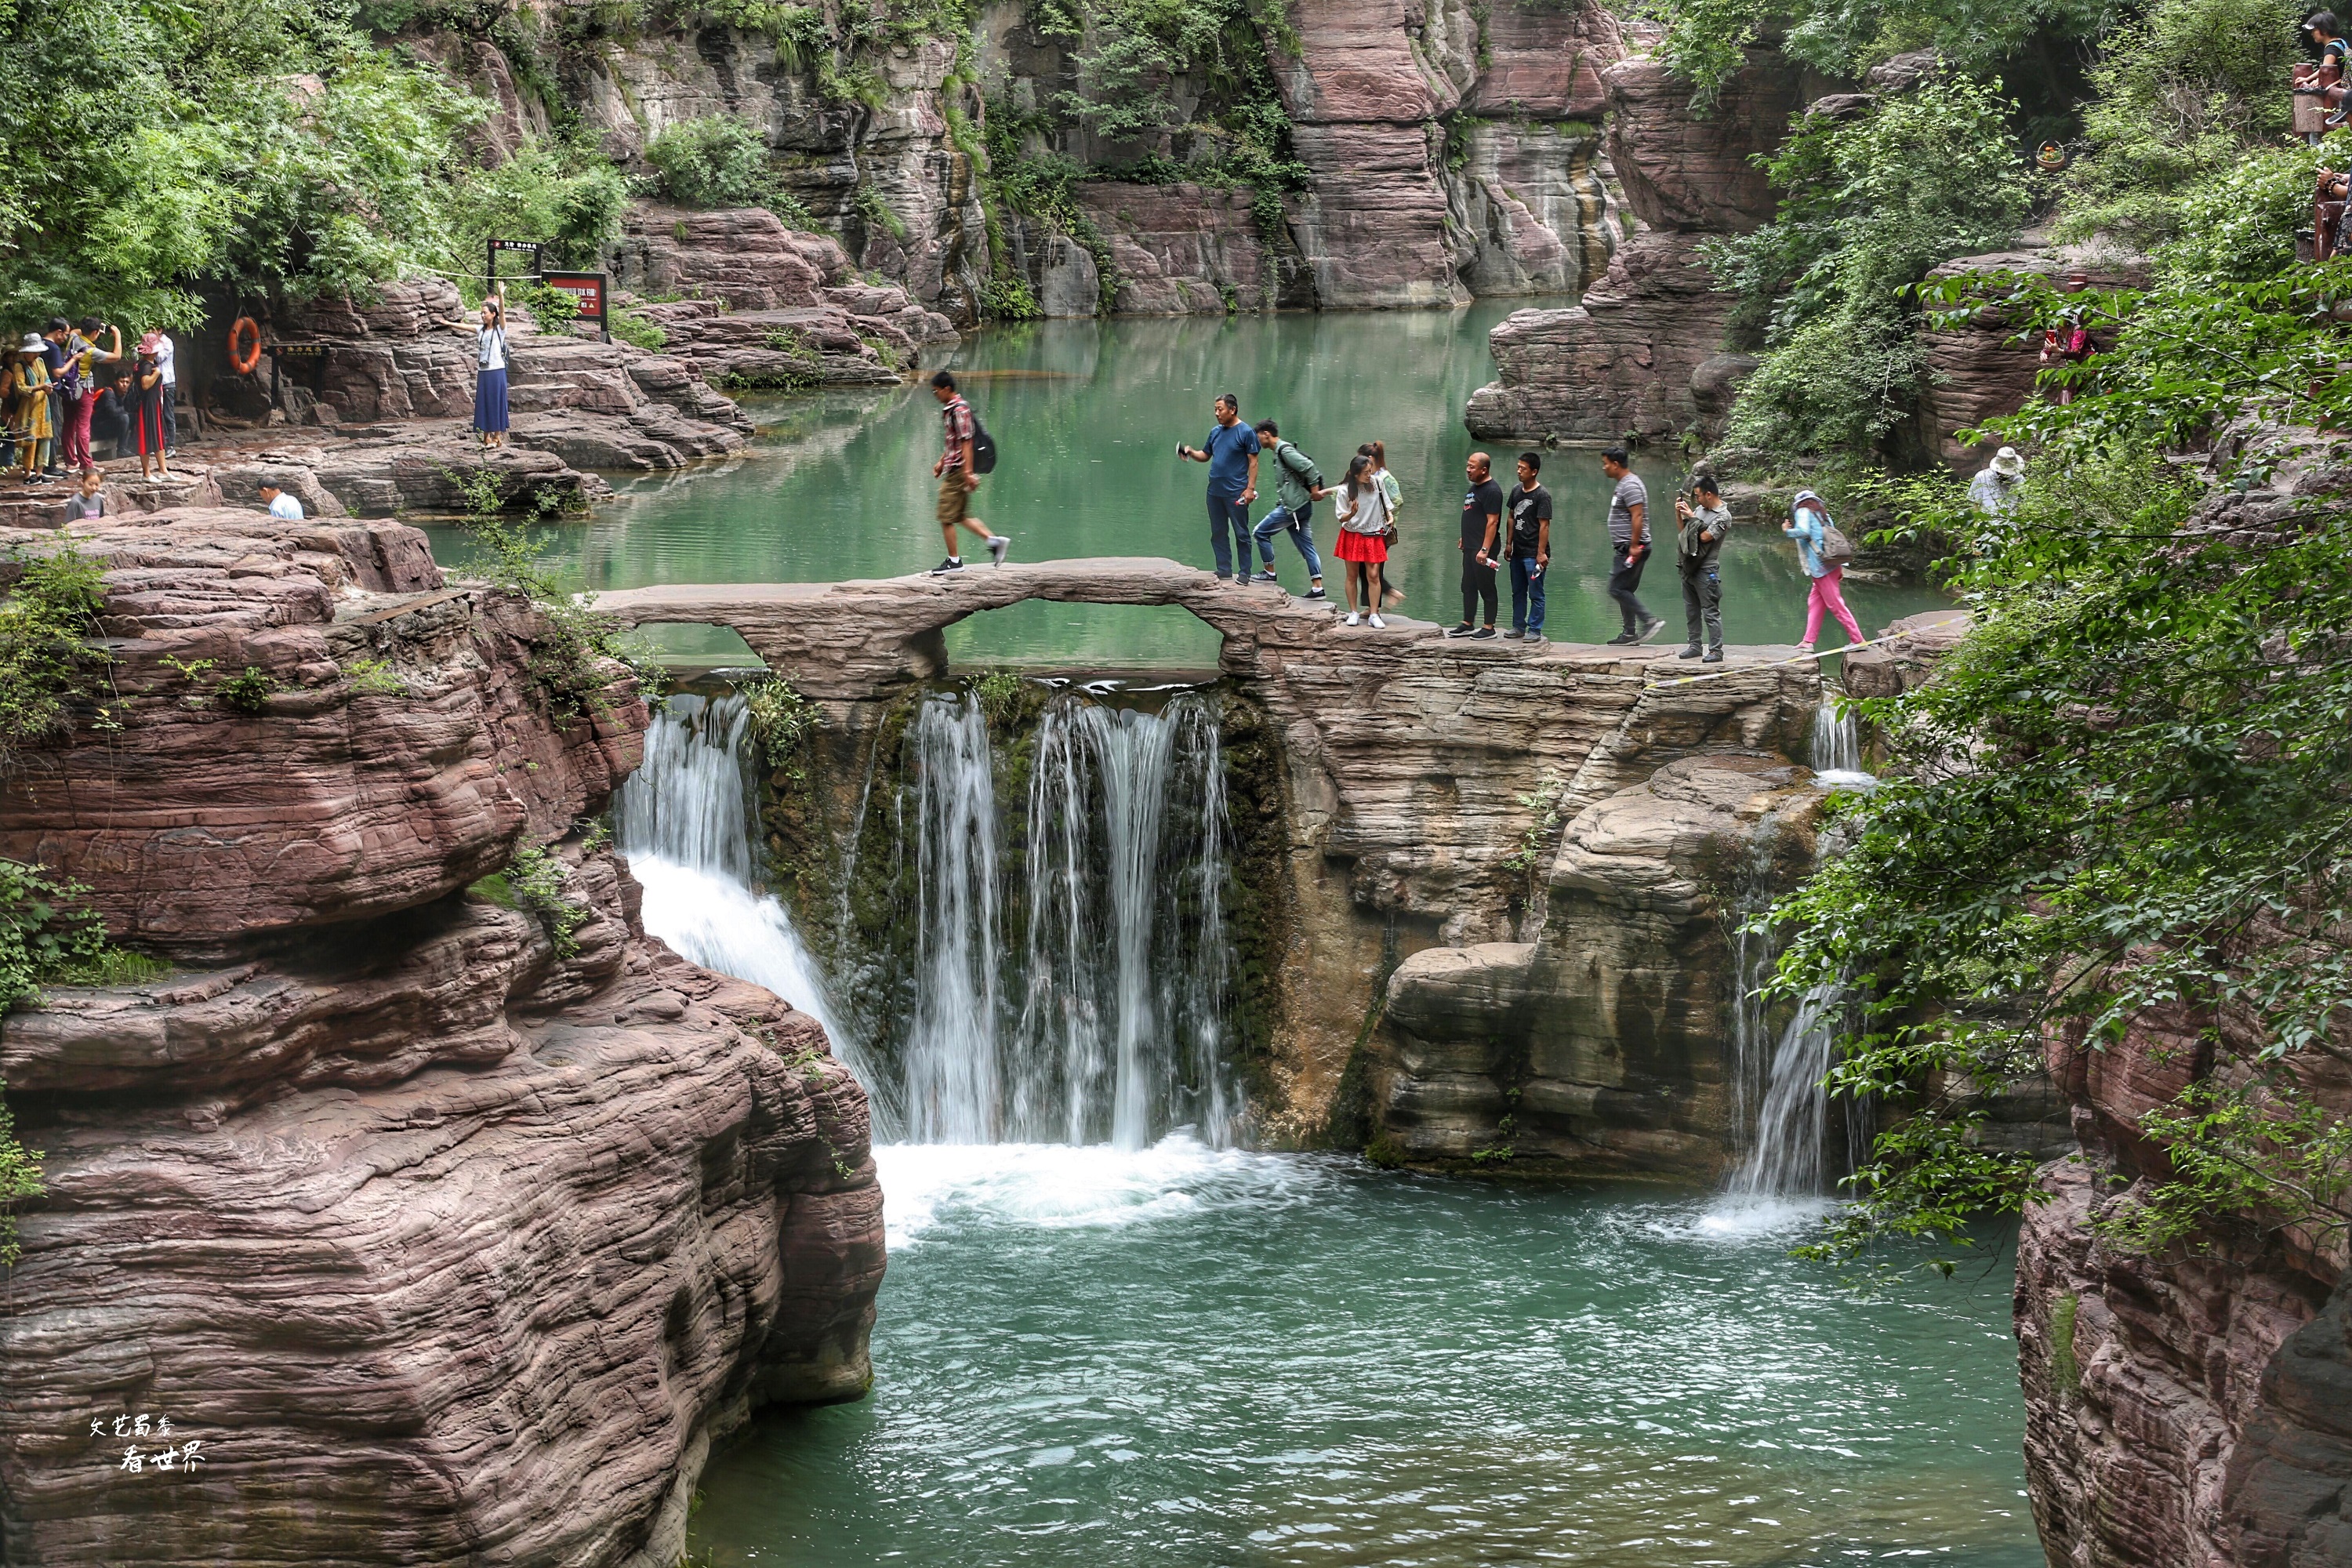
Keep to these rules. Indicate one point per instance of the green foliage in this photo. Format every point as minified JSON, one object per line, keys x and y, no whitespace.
{"x":375,"y":678}
{"x":1705,"y":38}
{"x":247,"y":693}
{"x":48,"y":659}
{"x":535,"y":881}
{"x":2065,"y":1371}
{"x":574,"y":645}
{"x":561,"y":192}
{"x":1543,"y":805}
{"x":717,"y":161}
{"x":2124,"y":794}
{"x":20,"y":1180}
{"x":1867,"y":205}
{"x":636,"y":332}
{"x":2242,"y":224}
{"x":41,"y":931}
{"x":1001,"y":693}
{"x":780,"y":719}
{"x":2194,"y":85}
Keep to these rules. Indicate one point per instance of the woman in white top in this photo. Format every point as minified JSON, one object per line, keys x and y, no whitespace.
{"x":1363,"y":538}
{"x":1394,"y":493}
{"x":491,"y":375}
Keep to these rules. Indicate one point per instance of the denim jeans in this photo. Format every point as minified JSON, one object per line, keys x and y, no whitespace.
{"x":1299,"y":526}
{"x":1229,"y":511}
{"x":1527,"y":595}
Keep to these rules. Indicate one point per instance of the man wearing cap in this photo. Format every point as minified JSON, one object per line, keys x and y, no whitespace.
{"x":1993,"y":491}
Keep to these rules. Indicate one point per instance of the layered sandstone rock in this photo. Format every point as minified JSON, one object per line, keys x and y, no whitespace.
{"x":1604,"y":1045}
{"x":1639,"y":358}
{"x":1186,"y":249}
{"x":1986,"y":368}
{"x":440,"y":1229}
{"x":759,"y":304}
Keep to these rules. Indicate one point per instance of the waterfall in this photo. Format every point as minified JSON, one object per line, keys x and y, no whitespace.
{"x":950,"y":1056}
{"x":1121,"y":1028}
{"x":1114,"y":1026}
{"x":1070,"y":971}
{"x":1787,"y":1157}
{"x":1836,"y":746}
{"x":685,"y":824}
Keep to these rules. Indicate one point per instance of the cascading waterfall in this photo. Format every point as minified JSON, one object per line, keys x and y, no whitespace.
{"x":1788,"y":1155}
{"x":951,"y":1054}
{"x":685,"y":824}
{"x":1121,"y":1026}
{"x":1836,"y":746}
{"x":1104,"y":1022}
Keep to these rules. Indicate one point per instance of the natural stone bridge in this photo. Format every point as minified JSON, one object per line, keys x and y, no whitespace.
{"x":849,"y":640}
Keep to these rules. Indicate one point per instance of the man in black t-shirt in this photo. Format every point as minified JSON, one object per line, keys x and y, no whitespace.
{"x":1482,"y":520}
{"x":1527,"y":547}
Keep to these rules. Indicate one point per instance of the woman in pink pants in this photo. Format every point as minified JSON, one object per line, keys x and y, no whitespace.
{"x":1808,"y":524}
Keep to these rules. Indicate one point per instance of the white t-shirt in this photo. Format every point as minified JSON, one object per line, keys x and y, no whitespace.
{"x":493,"y":347}
{"x":287,"y":506}
{"x":1371,"y":513}
{"x":163,"y":360}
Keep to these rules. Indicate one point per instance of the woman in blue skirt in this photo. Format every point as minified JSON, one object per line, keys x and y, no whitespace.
{"x":490,"y":378}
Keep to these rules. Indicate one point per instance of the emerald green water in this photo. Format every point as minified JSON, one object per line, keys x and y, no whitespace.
{"x":1088,"y":415}
{"x":1183,"y":1359}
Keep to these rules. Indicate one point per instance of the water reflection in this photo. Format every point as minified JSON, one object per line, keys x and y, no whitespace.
{"x":1088,"y":415}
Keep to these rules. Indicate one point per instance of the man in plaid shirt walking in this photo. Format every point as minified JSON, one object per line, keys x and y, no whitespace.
{"x":957,"y":479}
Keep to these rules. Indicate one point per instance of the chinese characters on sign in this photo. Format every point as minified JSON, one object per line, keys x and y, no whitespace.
{"x":182,"y":1455}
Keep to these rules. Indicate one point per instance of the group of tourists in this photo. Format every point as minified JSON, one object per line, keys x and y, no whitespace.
{"x":1501,"y":533}
{"x":74,"y":397}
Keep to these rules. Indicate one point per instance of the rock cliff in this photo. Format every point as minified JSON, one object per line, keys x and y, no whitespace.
{"x":1643,"y":356}
{"x":444,"y":1215}
{"x":1445,"y":148}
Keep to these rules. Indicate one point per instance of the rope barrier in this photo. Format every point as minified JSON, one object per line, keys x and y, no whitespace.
{"x":1780,"y":663}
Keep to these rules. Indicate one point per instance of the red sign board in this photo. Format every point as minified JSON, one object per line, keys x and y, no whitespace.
{"x":586,"y":289}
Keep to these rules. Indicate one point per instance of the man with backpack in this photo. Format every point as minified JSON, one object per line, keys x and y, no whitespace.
{"x":968,"y":454}
{"x":1298,"y":484}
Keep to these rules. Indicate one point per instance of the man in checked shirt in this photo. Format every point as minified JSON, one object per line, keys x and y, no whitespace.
{"x":957,"y":479}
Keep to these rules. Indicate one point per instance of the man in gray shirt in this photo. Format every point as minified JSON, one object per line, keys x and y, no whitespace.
{"x":1629,"y":538}
{"x":1703,"y":521}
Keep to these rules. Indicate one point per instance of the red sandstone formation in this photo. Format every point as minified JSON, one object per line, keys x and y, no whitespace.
{"x":442,"y":1239}
{"x":1642,"y":356}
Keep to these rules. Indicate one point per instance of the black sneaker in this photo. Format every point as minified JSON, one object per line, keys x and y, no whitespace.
{"x":998,"y":543}
{"x":1650,"y":628}
{"x":1514,"y":634}
{"x":1690,"y":652}
{"x":1484,"y":634}
{"x":1266,"y":576}
{"x":1461,"y":631}
{"x":1623,"y":639}
{"x":1315,"y":593}
{"x":1714,"y":654}
{"x":953,"y":563}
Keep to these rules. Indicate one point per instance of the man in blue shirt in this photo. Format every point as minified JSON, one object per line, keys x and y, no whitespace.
{"x":1231,"y":453}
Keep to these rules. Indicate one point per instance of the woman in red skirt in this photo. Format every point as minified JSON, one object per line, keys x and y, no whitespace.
{"x":1363,"y":539}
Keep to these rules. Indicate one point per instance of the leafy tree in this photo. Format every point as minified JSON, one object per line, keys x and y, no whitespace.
{"x":1843,"y":37}
{"x":1868,"y":203}
{"x":2121,"y":802}
{"x":2190,"y":88}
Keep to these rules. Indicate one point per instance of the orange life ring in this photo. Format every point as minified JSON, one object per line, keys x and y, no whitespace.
{"x":242,"y":360}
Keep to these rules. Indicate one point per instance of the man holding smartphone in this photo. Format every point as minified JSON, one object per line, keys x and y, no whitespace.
{"x":1231,"y":452}
{"x":1527,"y":547}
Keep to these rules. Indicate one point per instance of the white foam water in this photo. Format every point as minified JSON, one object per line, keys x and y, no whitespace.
{"x":1068,"y":1186}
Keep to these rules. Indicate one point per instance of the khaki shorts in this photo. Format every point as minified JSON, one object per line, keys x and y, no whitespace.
{"x":954,"y":500}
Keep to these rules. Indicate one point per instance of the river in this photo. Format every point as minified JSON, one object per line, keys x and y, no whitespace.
{"x":1087,"y":416}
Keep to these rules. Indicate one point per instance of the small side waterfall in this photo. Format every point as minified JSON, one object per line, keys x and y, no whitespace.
{"x":685,"y":823}
{"x":1788,"y":1155}
{"x":1836,"y":746}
